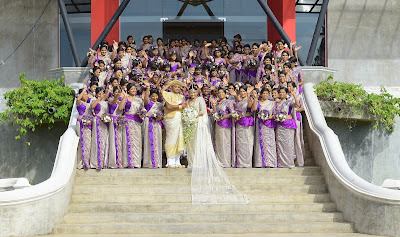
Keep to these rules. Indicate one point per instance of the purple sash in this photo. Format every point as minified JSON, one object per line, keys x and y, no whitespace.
{"x":261,"y":141}
{"x":151,"y":136}
{"x":269,"y":123}
{"x":246,"y":121}
{"x":98,"y":140}
{"x":134,"y":117}
{"x":288,"y":123}
{"x":83,"y":156}
{"x":225,"y":123}
{"x":298,"y":116}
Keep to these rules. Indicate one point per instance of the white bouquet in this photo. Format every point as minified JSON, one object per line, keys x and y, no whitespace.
{"x":263,"y":115}
{"x":217,"y":115}
{"x":106,"y":118}
{"x":238,"y":85}
{"x":237,"y":114}
{"x":280,"y":117}
{"x":189,"y":118}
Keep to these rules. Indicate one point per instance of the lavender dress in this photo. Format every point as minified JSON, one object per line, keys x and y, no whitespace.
{"x":85,"y":135}
{"x":116,"y":130}
{"x":224,"y":141}
{"x":152,"y":147}
{"x":285,"y":132}
{"x":265,"y":146}
{"x":132,"y":136}
{"x":298,"y":136}
{"x":244,"y":137}
{"x":99,"y":147}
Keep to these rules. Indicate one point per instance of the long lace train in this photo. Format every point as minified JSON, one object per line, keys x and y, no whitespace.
{"x":210,"y":184}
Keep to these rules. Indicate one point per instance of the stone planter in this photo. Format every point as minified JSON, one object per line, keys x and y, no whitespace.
{"x":341,"y":110}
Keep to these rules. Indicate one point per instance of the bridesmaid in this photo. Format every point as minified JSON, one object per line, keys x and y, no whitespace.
{"x":133,"y":128}
{"x":115,"y":129}
{"x":244,"y":130}
{"x":285,"y":129}
{"x":298,"y":137}
{"x":83,"y":128}
{"x":152,"y":128}
{"x":265,"y":147}
{"x":223,"y":128}
{"x":99,"y":148}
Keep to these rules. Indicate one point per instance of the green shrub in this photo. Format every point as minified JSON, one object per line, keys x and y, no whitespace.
{"x":28,"y":106}
{"x":383,"y":106}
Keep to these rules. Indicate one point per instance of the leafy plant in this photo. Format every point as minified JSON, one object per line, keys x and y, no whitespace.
{"x":36,"y":103}
{"x":383,"y":106}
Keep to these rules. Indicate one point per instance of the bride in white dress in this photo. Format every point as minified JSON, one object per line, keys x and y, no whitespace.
{"x":210,"y":185}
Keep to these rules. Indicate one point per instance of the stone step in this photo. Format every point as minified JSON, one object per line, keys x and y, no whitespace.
{"x":184,"y":180}
{"x":297,"y":171}
{"x":205,"y":228}
{"x":98,"y":218}
{"x":186,"y":189}
{"x":218,"y":235}
{"x":190,"y":208}
{"x":187,"y":198}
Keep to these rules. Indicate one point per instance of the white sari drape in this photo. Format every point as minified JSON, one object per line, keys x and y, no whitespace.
{"x":210,"y":184}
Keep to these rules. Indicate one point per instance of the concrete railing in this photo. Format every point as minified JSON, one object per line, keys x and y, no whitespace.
{"x":373,"y":209}
{"x":35,"y":210}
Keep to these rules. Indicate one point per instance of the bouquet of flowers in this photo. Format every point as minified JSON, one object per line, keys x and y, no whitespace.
{"x":142,"y":112}
{"x":159,"y":114}
{"x":160,"y":61}
{"x":106,"y":118}
{"x":189,"y":118}
{"x":253,"y":62}
{"x":223,"y":73}
{"x":217,"y":115}
{"x":238,"y":85}
{"x":263,"y":115}
{"x":87,"y":121}
{"x":281,"y":116}
{"x":120,"y":121}
{"x":237,"y":114}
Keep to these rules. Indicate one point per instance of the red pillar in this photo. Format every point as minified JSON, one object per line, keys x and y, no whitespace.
{"x":285,"y":12}
{"x":102,"y":11}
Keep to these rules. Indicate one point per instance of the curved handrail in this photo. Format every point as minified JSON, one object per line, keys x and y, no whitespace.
{"x":63,"y":169}
{"x":335,"y":157}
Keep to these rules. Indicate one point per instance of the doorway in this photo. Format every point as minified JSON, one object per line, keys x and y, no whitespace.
{"x":201,"y":29}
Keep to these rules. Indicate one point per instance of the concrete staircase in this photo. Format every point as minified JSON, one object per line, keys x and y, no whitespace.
{"x":154,"y":202}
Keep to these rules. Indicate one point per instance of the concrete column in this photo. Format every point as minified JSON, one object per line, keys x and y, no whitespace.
{"x":102,"y":11}
{"x":285,"y":12}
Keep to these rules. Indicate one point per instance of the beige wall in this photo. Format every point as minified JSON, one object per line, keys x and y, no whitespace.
{"x":364,"y":41}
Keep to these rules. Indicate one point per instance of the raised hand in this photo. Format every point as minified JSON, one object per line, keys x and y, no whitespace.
{"x":115,"y":45}
{"x":208,"y":45}
{"x":297,"y":48}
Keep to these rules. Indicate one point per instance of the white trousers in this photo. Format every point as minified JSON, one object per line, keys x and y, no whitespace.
{"x":174,"y":161}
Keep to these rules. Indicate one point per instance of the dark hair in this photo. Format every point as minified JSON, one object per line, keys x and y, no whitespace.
{"x":129,"y":86}
{"x":267,"y":76}
{"x":196,"y":40}
{"x":287,"y":65}
{"x":101,"y":62}
{"x":153,"y":65}
{"x":237,"y":36}
{"x":104,"y":46}
{"x":256,"y":45}
{"x":248,"y":82}
{"x":136,"y":62}
{"x":94,"y":79}
{"x":160,"y":39}
{"x":231,"y":84}
{"x":244,"y":87}
{"x":283,"y":88}
{"x":246,"y":46}
{"x":280,"y":40}
{"x":293,"y":59}
{"x":93,"y":83}
{"x":268,"y":66}
{"x":116,"y":88}
{"x":99,"y":89}
{"x":121,"y":43}
{"x":154,"y":91}
{"x":116,"y":60}
{"x":193,"y":87}
{"x":265,"y":89}
{"x":123,"y":82}
{"x":113,"y":79}
{"x":292,"y":83}
{"x":80,"y":91}
{"x":258,"y":91}
{"x":117,"y":69}
{"x":286,"y":52}
{"x":281,"y":72}
{"x":275,"y":89}
{"x":223,"y":89}
{"x":146,"y":36}
{"x":120,"y":49}
{"x":129,"y":36}
{"x":95,"y":68}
